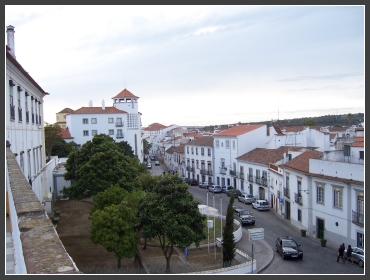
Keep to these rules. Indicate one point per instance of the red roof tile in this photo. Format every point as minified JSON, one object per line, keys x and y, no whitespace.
{"x":301,"y":162}
{"x":125,"y":93}
{"x":66,"y":110}
{"x":202,"y":141}
{"x":66,"y":134}
{"x":238,"y":130}
{"x":98,"y":110}
{"x":155,"y":127}
{"x":266,"y":156}
{"x":359,"y":142}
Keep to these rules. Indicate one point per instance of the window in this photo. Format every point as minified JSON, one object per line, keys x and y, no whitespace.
{"x":93,"y":120}
{"x":251,"y":189}
{"x":86,"y":133}
{"x":111,"y":131}
{"x":287,"y":181}
{"x":360,"y":240}
{"x":227,"y":144}
{"x":337,"y":198}
{"x":289,"y":156}
{"x":197,"y":164}
{"x":94,"y":132}
{"x":217,"y":143}
{"x":192,"y":150}
{"x":209,"y":152}
{"x":196,"y":151}
{"x":119,"y":122}
{"x":300,"y":215}
{"x":241,"y":185}
{"x":85,"y":121}
{"x":110,"y":120}
{"x":40,"y":158}
{"x":361,"y":154}
{"x":119,"y":133}
{"x":320,"y":194}
{"x":187,"y":150}
{"x":234,"y":144}
{"x":202,"y":151}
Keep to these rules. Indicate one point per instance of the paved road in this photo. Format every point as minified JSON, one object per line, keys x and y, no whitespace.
{"x":316,"y":260}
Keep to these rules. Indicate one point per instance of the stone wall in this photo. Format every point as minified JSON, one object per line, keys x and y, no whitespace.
{"x":37,"y":247}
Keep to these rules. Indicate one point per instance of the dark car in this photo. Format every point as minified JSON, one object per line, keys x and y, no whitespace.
{"x":245,"y":216}
{"x":193,"y":182}
{"x":234,"y":192}
{"x":288,"y":248}
{"x":187,"y":180}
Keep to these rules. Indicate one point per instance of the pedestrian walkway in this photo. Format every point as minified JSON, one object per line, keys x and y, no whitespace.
{"x":9,"y":249}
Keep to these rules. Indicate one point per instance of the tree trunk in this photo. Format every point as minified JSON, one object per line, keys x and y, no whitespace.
{"x":119,"y":263}
{"x":168,"y":264}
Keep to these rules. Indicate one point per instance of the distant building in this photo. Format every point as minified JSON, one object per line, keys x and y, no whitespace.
{"x":61,"y":117}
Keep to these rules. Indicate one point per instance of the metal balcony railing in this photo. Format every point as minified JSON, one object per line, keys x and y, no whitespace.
{"x":192,"y":169}
{"x":19,"y":114}
{"x":258,"y":180}
{"x":278,"y":194}
{"x":233,"y":173}
{"x":119,"y":135}
{"x":241,"y":175}
{"x":357,"y":218}
{"x":286,"y":192}
{"x":12,"y":112}
{"x":298,"y":198}
{"x":188,"y":168}
{"x":250,"y":178}
{"x":209,"y":172}
{"x":119,"y":123}
{"x":223,"y":170}
{"x":203,"y":172}
{"x":264,"y":181}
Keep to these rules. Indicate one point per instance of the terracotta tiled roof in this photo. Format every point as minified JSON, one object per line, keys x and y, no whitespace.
{"x":98,"y":110}
{"x":266,"y":156}
{"x":238,"y":130}
{"x":125,"y":93}
{"x":155,"y":127}
{"x":66,"y":110}
{"x":180,"y":149}
{"x":333,"y":129}
{"x":198,"y":135}
{"x":66,"y":134}
{"x":278,"y":130}
{"x":332,"y":136}
{"x":171,"y":150}
{"x":189,"y":134}
{"x":202,"y":141}
{"x":359,"y":142}
{"x":301,"y":162}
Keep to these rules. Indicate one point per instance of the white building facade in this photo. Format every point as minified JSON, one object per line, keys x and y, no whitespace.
{"x":122,"y":122}
{"x":24,"y":121}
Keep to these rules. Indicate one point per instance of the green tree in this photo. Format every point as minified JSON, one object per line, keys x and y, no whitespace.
{"x":125,"y":148}
{"x":63,"y":149}
{"x":148,"y":181}
{"x":229,"y":244}
{"x":146,"y":147}
{"x":96,"y":166}
{"x":53,"y":135}
{"x":350,"y":118}
{"x":309,"y":122}
{"x":114,"y":229}
{"x":171,"y":213}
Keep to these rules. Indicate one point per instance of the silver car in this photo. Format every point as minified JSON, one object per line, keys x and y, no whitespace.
{"x":357,"y":255}
{"x":215,"y":189}
{"x":246,"y":198}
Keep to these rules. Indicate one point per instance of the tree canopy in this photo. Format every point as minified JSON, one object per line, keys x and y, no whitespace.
{"x":97,"y":165}
{"x":309,"y":122}
{"x":171,"y":213}
{"x":146,"y":147}
{"x":53,"y":135}
{"x":125,"y":148}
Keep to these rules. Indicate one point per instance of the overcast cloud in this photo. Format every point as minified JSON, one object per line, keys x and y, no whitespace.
{"x":196,"y":65}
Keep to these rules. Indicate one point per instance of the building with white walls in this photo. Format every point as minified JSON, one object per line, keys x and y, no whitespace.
{"x":232,"y":143}
{"x":122,"y":122}
{"x":199,"y":162}
{"x":24,"y":120}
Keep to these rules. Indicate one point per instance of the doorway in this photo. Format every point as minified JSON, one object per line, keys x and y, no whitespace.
{"x":320,"y":228}
{"x":287,"y":210}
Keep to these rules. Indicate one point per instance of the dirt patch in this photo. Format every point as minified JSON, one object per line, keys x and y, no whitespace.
{"x":73,"y":229}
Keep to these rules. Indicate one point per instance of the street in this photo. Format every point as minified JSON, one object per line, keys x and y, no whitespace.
{"x":316,"y":259}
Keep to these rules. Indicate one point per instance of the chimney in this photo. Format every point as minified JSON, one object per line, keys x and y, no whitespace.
{"x":90,"y":103}
{"x":103,"y":105}
{"x":10,"y":39}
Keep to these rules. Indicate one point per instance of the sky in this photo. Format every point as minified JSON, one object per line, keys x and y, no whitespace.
{"x":196,"y":65}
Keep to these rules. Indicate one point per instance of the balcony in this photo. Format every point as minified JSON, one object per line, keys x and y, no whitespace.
{"x":264,"y":181}
{"x":233,"y":173}
{"x":12,"y":112}
{"x":241,"y":175}
{"x":250,"y":178}
{"x":203,"y":172}
{"x":119,"y":135}
{"x":298,"y":198}
{"x":223,"y":170}
{"x":192,"y":169}
{"x":278,"y":194}
{"x":258,"y":180}
{"x":358,"y":218}
{"x":286,"y":192}
{"x":209,"y":172}
{"x":119,"y":123}
{"x":19,"y":114}
{"x":188,"y":168}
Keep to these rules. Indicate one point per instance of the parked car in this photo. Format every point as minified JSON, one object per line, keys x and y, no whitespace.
{"x":149,"y":165}
{"x":229,"y":189}
{"x":193,"y":182}
{"x":224,"y":188}
{"x":234,"y":192}
{"x":244,"y":216}
{"x":246,"y":198}
{"x":357,"y":255}
{"x":210,"y":184}
{"x":203,"y":185}
{"x":261,"y":205}
{"x":215,"y":189}
{"x":187,"y":180}
{"x":288,"y":248}
{"x":156,"y":162}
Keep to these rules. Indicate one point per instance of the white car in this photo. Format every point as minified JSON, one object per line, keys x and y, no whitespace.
{"x":156,"y":162}
{"x":215,"y":189}
{"x":261,"y":205}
